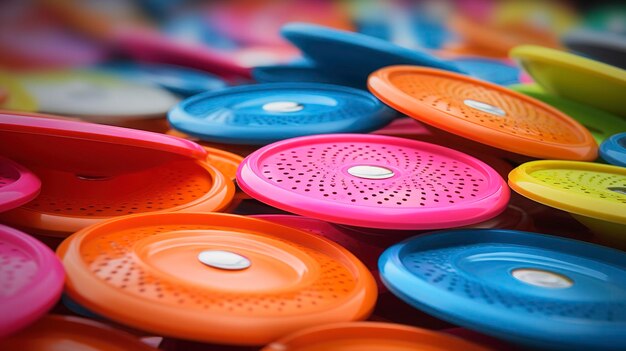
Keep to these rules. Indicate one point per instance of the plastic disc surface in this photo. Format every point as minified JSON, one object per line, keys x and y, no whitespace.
{"x":532,"y":289}
{"x":370,"y":336}
{"x":613,"y":150}
{"x":214,"y":277}
{"x":374,"y":181}
{"x":575,"y":77}
{"x":483,"y":112}
{"x":55,"y":333}
{"x":96,"y":97}
{"x":600,"y":123}
{"x":302,"y":72}
{"x":584,"y":188}
{"x":491,"y":70}
{"x":31,"y":280}
{"x":68,"y":203}
{"x":91,"y":172}
{"x":179,"y":80}
{"x":261,"y":114}
{"x":226,"y":162}
{"x":366,"y":247}
{"x":603,"y":46}
{"x":88,"y":149}
{"x":358,"y":54}
{"x":18,"y":185}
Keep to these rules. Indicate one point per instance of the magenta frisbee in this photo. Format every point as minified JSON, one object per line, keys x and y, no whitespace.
{"x":374,"y":181}
{"x":18,"y":185}
{"x":31,"y":280}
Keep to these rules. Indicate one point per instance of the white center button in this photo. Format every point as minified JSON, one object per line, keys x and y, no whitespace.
{"x":282,"y":106}
{"x":541,"y":278}
{"x":224,"y":260}
{"x":371,"y":172}
{"x":484,"y":107}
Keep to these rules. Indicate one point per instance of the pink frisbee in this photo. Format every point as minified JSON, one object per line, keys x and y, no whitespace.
{"x":374,"y":181}
{"x":31,"y":280}
{"x":18,"y":185}
{"x":89,"y":149}
{"x":152,"y":46}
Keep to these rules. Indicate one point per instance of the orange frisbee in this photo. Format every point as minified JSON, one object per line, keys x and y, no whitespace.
{"x":56,"y":332}
{"x":483,"y":112}
{"x":370,"y":336}
{"x":226,"y":162}
{"x":214,"y":277}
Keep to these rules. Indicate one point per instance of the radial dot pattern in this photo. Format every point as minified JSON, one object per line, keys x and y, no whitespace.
{"x":423,"y":179}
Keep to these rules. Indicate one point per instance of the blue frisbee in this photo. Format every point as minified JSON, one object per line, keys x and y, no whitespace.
{"x":264,"y":113}
{"x":356,"y":54}
{"x":613,"y":150}
{"x":302,"y":71}
{"x":494,"y":71}
{"x":180,"y":80}
{"x":532,"y":289}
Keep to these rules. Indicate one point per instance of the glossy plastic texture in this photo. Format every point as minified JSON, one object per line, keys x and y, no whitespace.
{"x":601,"y":124}
{"x":32,"y":280}
{"x":575,"y":77}
{"x":483,"y":112}
{"x":593,"y":192}
{"x":359,"y":54}
{"x":18,"y":185}
{"x":370,"y":336}
{"x":366,"y":246}
{"x":589,"y":189}
{"x":89,"y":149}
{"x":92,"y":172}
{"x":293,"y":279}
{"x":68,"y":203}
{"x":302,"y":71}
{"x":613,"y":150}
{"x":264,"y":113}
{"x":573,"y":298}
{"x":226,"y":162}
{"x":415,"y":185}
{"x":56,"y":332}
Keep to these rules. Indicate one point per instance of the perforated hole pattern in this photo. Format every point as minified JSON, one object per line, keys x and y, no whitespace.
{"x":110,"y":258}
{"x":17,"y":269}
{"x":426,"y":179}
{"x":153,"y":190}
{"x":523,"y":119}
{"x":592,"y":184}
{"x":224,"y":109}
{"x":435,"y":268}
